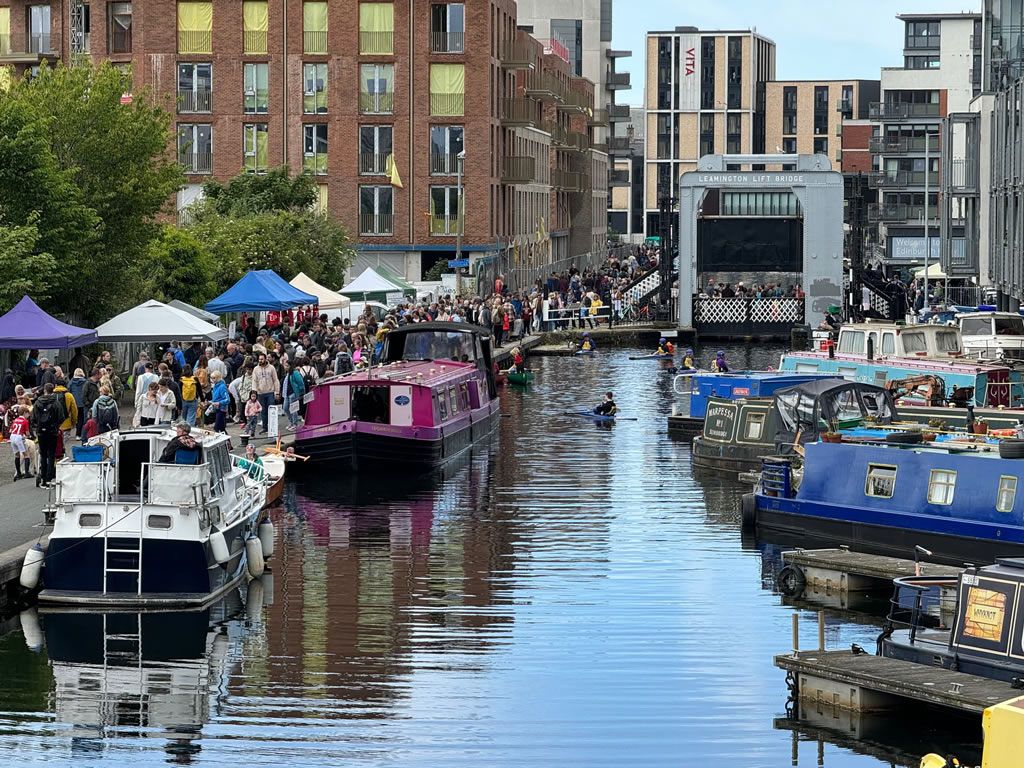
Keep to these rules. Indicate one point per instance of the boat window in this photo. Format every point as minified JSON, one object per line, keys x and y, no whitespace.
{"x":876,"y":404}
{"x":941,"y":484}
{"x":1010,"y":326}
{"x":159,"y":522}
{"x":89,"y":520}
{"x":888,"y":343}
{"x":846,"y":406}
{"x":435,"y":345}
{"x":442,"y":406}
{"x":881,"y":480}
{"x":851,"y":342}
{"x":975,"y":326}
{"x":453,"y":401}
{"x":464,"y":396}
{"x":948,"y":341}
{"x":753,"y":428}
{"x":913,"y":341}
{"x":1007,"y":493}
{"x":371,"y":404}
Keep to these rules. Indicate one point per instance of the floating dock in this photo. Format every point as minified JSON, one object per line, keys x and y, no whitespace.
{"x":863,"y":682}
{"x":842,"y":570}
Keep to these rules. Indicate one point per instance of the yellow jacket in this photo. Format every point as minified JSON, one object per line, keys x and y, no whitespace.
{"x":70,"y":407}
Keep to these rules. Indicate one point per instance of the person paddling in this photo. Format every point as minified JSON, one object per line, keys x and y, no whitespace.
{"x":587,"y":344}
{"x":720,"y":366}
{"x":688,"y":360}
{"x":607,"y":406}
{"x":665,"y":347}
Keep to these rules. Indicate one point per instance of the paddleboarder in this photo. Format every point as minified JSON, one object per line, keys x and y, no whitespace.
{"x":607,"y":406}
{"x":587,"y":344}
{"x":720,"y":366}
{"x":665,"y":347}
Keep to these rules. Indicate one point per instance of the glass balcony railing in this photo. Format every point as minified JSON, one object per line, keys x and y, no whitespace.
{"x":447,"y":104}
{"x":376,"y":43}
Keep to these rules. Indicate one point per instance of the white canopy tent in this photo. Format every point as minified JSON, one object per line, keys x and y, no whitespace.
{"x":327,"y":299}
{"x":155,"y":321}
{"x":202,"y":314}
{"x":934,"y":272}
{"x":371,"y":285}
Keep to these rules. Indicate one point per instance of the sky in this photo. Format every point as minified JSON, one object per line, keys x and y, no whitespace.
{"x":814,"y":39}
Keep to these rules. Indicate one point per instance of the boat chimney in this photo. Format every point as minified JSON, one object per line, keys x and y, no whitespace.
{"x":871,"y":347}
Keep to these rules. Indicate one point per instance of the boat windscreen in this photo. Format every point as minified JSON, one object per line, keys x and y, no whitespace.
{"x":1010,"y":326}
{"x":948,"y":341}
{"x":438,"y":345}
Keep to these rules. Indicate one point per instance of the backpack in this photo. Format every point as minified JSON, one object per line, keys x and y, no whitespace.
{"x":307,"y":379}
{"x":106,"y":415}
{"x":188,"y":388}
{"x":343,"y":363}
{"x":48,"y":415}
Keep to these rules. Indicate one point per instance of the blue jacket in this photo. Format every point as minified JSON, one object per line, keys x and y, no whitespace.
{"x":220,"y":395}
{"x":77,"y":388}
{"x":293,"y":385}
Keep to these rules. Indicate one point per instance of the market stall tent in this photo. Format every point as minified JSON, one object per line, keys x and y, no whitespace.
{"x":934,"y":272}
{"x":326,"y":298}
{"x":26,"y":326}
{"x":155,"y":321}
{"x":260,"y":291}
{"x":202,"y":314}
{"x":375,"y":284}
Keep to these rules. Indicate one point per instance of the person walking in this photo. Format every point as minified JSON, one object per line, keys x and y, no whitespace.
{"x":165,"y":402}
{"x":189,"y":395}
{"x":77,"y":388}
{"x":252,"y":413}
{"x":144,"y":379}
{"x":72,"y":418}
{"x":105,"y":411}
{"x":220,"y":399}
{"x":19,"y":434}
{"x":292,"y":390}
{"x":265,"y":383}
{"x":47,"y":415}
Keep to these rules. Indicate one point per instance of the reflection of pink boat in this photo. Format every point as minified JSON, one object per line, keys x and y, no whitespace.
{"x":430,"y":399}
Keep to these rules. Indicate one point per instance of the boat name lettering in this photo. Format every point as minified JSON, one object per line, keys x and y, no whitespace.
{"x":741,"y":391}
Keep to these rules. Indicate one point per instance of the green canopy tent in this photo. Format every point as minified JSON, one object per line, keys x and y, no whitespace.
{"x":374,"y":284}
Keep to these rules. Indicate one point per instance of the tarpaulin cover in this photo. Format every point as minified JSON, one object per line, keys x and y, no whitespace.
{"x":260,"y":291}
{"x":26,"y":326}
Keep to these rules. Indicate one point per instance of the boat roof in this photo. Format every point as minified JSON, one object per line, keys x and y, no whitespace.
{"x":872,"y":325}
{"x":423,"y":373}
{"x":440,"y":326}
{"x":818,"y":387}
{"x":987,"y":313}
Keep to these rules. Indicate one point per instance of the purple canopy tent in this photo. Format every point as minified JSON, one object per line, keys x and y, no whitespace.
{"x":26,"y":326}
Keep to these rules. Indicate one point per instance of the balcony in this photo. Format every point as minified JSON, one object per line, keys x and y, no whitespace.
{"x":600,"y":146}
{"x":448,"y":104}
{"x":518,"y":54}
{"x":376,"y":43}
{"x":559,"y":136}
{"x":373,"y":163}
{"x":444,"y":164}
{"x":195,"y":41}
{"x":446,"y":225}
{"x":376,"y":223}
{"x":447,"y":42}
{"x":617,"y":81}
{"x":898,"y":111}
{"x":544,"y":86}
{"x":518,"y":170}
{"x":578,"y":142}
{"x":519,"y":112}
{"x":903,"y":145}
{"x":902,"y":179}
{"x":619,"y":145}
{"x":598,"y":117}
{"x":39,"y":43}
{"x":314,"y":43}
{"x":618,"y":178}
{"x":574,"y":101}
{"x":569,"y":181}
{"x":196,"y":162}
{"x":844,"y":106}
{"x":254,"y":42}
{"x":899,"y":212}
{"x":618,"y":113}
{"x":195,"y":100}
{"x":376,"y":103}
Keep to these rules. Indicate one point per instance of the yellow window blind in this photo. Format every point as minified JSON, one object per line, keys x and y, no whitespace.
{"x":195,"y":27}
{"x":320,"y":206}
{"x":5,"y":30}
{"x":314,"y":26}
{"x":376,"y":28}
{"x":255,"y":25}
{"x":447,"y":89}
{"x":5,"y":79}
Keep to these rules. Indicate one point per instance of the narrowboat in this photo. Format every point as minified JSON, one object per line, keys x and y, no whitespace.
{"x":958,"y":500}
{"x":432,"y":396}
{"x":991,"y":335}
{"x":878,"y":352}
{"x":737,"y":434}
{"x":129,"y":530}
{"x":980,"y":632}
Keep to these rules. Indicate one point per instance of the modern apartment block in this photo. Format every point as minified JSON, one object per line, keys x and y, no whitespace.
{"x":390,"y":112}
{"x":626,"y":207}
{"x":939,"y":78}
{"x":806,"y":117}
{"x":705,"y":95}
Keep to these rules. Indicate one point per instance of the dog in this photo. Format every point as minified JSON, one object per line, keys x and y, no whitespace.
{"x":32,"y":451}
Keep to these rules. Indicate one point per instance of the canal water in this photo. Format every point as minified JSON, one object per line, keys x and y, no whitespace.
{"x":573,"y":594}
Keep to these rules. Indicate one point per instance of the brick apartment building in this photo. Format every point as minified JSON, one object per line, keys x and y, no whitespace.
{"x":364,"y":96}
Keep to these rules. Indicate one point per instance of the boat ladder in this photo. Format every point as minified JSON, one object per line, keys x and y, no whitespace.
{"x":123,"y":554}
{"x":123,"y":646}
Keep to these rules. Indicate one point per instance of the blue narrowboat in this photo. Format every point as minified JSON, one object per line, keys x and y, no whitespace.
{"x":959,"y":501}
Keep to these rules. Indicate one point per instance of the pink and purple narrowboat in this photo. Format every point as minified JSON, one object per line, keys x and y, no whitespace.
{"x":431,"y":397}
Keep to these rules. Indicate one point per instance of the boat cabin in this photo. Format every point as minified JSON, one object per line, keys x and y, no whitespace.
{"x":896,"y":340}
{"x":992,"y":335}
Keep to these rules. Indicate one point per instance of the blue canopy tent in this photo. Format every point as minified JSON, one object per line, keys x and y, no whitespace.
{"x":26,"y":326}
{"x":260,"y":291}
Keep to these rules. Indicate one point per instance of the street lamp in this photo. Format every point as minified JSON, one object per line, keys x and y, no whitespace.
{"x":460,"y":161}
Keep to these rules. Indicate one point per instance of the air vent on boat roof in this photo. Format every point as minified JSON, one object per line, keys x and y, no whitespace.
{"x":1011,"y":562}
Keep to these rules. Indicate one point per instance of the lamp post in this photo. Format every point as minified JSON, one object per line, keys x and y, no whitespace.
{"x":927,"y":229}
{"x":459,"y":162}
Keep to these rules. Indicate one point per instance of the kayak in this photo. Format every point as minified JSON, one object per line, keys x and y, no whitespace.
{"x":590,"y":415}
{"x":651,"y":357}
{"x":584,"y":351}
{"x":519,"y":378}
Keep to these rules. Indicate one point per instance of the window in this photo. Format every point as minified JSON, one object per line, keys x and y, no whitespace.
{"x":5,"y":42}
{"x":846,"y":104}
{"x":789,"y":146}
{"x":821,"y":146}
{"x":789,"y":124}
{"x":314,"y":149}
{"x":314,"y":89}
{"x":195,"y":27}
{"x":448,"y":28}
{"x":707,"y":73}
{"x":941,"y":484}
{"x":569,"y":32}
{"x":976,"y":326}
{"x":120,"y":28}
{"x":195,"y":87}
{"x":254,"y":26}
{"x":789,"y":98}
{"x":707,"y":135}
{"x":254,"y":147}
{"x":947,"y":341}
{"x":1009,"y":326}
{"x":314,"y":27}
{"x":733,"y":134}
{"x":444,"y":210}
{"x":888,"y":344}
{"x":376,"y":210}
{"x":376,"y":28}
{"x":1007,"y":493}
{"x":665,"y":78}
{"x":754,"y":427}
{"x":39,"y":29}
{"x":447,"y":89}
{"x":376,"y":89}
{"x":920,"y":62}
{"x":851,"y":342}
{"x":453,"y":402}
{"x":913,"y":342}
{"x":446,"y":142}
{"x":881,"y":481}
{"x":922,"y":34}
{"x":195,"y":147}
{"x":257,"y":89}
{"x":374,"y":148}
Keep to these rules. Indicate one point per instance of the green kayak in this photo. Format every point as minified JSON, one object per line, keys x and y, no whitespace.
{"x":520,"y":378}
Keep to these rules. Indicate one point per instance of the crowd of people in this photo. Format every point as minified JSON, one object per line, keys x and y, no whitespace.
{"x":719,"y":290}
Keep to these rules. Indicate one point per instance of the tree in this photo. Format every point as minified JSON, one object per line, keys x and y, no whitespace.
{"x":24,"y":269}
{"x":177,"y":266}
{"x":248,"y":194}
{"x":116,"y":159}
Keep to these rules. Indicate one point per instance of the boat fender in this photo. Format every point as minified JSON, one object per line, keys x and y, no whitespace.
{"x":748,"y":511}
{"x":266,"y":534}
{"x":254,"y":556}
{"x":904,"y":437}
{"x":32,"y":567}
{"x":31,"y":630}
{"x":254,"y":600}
{"x":1011,"y":449}
{"x":219,"y":547}
{"x":791,"y":580}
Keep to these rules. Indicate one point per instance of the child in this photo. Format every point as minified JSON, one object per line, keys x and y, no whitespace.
{"x":90,"y":429}
{"x":19,"y":434}
{"x":607,"y":406}
{"x":688,"y":360}
{"x":253,"y":409}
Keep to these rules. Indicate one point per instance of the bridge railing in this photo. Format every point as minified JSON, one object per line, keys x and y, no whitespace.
{"x":747,"y":316}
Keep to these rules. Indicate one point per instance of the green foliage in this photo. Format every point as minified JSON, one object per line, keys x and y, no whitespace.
{"x":96,"y":173}
{"x":440,"y":267}
{"x":24,"y":269}
{"x":248,"y":194}
{"x":177,"y":266}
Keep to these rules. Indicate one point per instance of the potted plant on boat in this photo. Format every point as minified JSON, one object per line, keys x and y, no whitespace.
{"x":981,"y":427}
{"x":831,"y":437}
